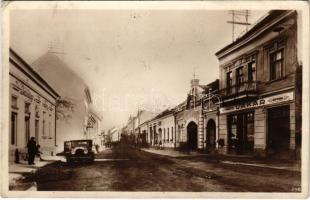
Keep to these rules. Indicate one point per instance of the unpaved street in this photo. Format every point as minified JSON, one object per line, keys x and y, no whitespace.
{"x":127,"y":169}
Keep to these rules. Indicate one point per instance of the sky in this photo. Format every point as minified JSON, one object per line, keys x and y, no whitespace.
{"x":130,"y":59}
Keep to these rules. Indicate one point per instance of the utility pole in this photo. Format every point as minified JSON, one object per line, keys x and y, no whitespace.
{"x":239,"y":17}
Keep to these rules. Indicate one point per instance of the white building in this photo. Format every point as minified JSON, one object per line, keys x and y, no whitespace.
{"x":72,"y":88}
{"x":162,"y":129}
{"x":32,"y":108}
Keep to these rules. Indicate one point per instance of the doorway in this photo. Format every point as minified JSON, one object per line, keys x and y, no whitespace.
{"x":211,"y":137}
{"x":192,"y":136}
{"x":27,"y":129}
{"x":241,"y":133}
{"x":278,"y":130}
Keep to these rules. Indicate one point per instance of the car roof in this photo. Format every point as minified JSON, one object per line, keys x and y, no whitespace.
{"x":77,"y":140}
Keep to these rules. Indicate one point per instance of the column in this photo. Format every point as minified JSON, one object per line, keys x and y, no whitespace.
{"x":292,"y":126}
{"x":223,"y":133}
{"x":260,"y":132}
{"x":200,"y":131}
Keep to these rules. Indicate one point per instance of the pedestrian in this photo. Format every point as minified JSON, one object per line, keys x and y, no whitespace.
{"x":32,"y":150}
{"x":16,"y":156}
{"x":160,"y":143}
{"x":38,"y":152}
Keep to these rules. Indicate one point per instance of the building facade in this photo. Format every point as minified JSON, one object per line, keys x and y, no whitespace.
{"x":32,"y":109}
{"x":162,"y":129}
{"x":197,"y":118}
{"x":72,"y":124}
{"x":260,"y":89}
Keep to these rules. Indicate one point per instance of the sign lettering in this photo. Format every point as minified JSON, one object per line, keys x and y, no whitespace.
{"x":260,"y":102}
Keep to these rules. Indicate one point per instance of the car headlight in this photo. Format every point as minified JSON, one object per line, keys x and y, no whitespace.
{"x":72,"y":151}
{"x":85,"y":151}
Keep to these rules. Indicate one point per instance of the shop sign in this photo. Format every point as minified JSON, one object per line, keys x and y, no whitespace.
{"x":260,"y":102}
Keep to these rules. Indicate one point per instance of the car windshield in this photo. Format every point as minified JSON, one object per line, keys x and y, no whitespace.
{"x":80,"y":144}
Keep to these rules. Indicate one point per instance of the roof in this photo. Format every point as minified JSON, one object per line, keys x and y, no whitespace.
{"x":271,"y":15}
{"x":58,"y":73}
{"x":34,"y":73}
{"x":164,"y":113}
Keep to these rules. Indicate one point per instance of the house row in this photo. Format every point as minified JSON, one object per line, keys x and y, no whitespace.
{"x":50,"y":102}
{"x":255,"y":105}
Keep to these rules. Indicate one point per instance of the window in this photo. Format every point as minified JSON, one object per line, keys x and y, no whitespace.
{"x":251,"y":71}
{"x":43,"y":125}
{"x":49,"y":129}
{"x":37,"y":130}
{"x":27,"y":107}
{"x":167,"y":134}
{"x":276,"y":65}
{"x":37,"y":111}
{"x":171,"y":133}
{"x":27,"y":129}
{"x":228,"y":82}
{"x":14,"y":102}
{"x":239,"y":78}
{"x":50,"y":126}
{"x":13,"y":127}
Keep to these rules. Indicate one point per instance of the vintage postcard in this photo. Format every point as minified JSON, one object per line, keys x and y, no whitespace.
{"x":155,"y":99}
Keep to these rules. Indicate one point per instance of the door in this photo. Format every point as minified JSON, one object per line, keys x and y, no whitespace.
{"x":278,"y":129}
{"x":13,"y":128}
{"x":241,"y":133}
{"x":192,"y":136}
{"x":211,"y":131}
{"x":27,"y":129}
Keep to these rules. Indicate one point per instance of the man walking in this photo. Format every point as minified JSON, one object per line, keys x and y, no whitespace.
{"x":32,"y":150}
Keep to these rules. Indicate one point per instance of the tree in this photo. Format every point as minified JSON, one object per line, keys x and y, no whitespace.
{"x":64,"y":109}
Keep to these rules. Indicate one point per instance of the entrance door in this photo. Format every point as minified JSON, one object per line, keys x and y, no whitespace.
{"x":211,"y":130}
{"x":13,"y":128}
{"x":278,"y":129}
{"x":241,"y":133}
{"x":192,"y":136}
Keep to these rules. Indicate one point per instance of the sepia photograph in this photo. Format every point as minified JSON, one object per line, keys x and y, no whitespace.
{"x":161,"y":99}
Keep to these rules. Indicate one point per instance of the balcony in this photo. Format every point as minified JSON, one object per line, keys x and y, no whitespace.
{"x":246,"y":90}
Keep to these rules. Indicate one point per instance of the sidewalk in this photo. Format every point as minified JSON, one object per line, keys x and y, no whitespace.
{"x":231,"y":159}
{"x":17,"y":172}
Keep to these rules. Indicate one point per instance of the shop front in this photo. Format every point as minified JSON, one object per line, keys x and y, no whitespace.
{"x":241,"y":132}
{"x":265,"y":126}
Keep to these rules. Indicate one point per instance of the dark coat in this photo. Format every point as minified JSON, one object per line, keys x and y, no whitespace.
{"x":32,"y":147}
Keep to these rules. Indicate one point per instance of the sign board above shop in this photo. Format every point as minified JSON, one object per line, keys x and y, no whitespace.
{"x":289,"y":96}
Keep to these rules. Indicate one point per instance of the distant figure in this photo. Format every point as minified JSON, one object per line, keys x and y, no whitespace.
{"x":16,"y":156}
{"x":160,"y":144}
{"x":32,"y":150}
{"x":38,"y":152}
{"x":97,"y":147}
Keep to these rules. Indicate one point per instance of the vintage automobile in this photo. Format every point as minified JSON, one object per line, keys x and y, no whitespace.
{"x":79,"y":150}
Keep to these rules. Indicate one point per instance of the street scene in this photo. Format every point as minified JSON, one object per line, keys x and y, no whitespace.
{"x":155,"y":100}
